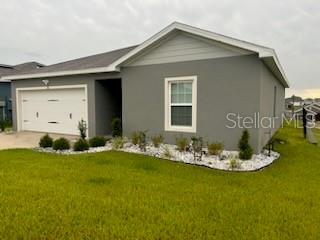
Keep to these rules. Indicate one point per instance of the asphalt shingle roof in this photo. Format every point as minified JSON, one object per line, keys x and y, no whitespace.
{"x":94,"y":61}
{"x":6,"y":70}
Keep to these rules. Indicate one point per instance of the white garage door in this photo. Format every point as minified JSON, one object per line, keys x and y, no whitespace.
{"x":52,"y":110}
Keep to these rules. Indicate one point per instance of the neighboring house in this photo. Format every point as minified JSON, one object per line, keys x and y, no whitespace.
{"x":183,"y":80}
{"x":293,"y":102}
{"x":313,"y":111}
{"x":5,"y":86}
{"x":308,"y":101}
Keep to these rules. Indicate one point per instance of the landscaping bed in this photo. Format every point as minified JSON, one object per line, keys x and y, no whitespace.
{"x":226,"y":160}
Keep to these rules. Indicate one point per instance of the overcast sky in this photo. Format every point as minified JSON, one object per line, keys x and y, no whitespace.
{"x":50,"y":31}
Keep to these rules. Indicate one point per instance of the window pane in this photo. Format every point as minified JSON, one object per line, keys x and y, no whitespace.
{"x":181,"y":92}
{"x":181,"y":115}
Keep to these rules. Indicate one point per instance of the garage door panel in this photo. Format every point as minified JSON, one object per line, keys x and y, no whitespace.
{"x":56,"y":111}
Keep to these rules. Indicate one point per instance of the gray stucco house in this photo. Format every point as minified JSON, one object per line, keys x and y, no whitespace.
{"x":5,"y":86}
{"x":182,"y":80}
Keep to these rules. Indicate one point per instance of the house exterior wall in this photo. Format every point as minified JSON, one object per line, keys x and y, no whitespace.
{"x":225,"y":85}
{"x":89,"y":80}
{"x":268,"y":83}
{"x":5,"y":96}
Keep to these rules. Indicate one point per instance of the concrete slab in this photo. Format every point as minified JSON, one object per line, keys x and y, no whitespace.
{"x":26,"y":139}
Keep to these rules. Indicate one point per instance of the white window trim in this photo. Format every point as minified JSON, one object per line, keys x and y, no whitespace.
{"x":167,"y":104}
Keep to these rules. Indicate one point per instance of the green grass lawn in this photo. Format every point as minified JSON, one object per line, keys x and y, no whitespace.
{"x":117,"y":195}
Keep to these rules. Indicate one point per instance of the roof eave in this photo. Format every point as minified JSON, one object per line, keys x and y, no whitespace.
{"x":61,"y":73}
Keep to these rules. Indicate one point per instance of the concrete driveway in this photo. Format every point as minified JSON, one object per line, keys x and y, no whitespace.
{"x":26,"y":139}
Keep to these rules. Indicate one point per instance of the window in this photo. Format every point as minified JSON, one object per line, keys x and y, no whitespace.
{"x":180,"y":104}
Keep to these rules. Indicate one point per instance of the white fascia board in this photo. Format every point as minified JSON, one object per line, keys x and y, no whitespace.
{"x":61,"y":73}
{"x":3,"y":80}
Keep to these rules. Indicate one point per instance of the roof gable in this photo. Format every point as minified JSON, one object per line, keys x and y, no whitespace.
{"x":180,"y":46}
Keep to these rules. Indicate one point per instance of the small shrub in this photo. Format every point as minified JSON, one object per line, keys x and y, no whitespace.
{"x":4,"y":124}
{"x":157,"y":140}
{"x":46,"y":141}
{"x":139,"y":138}
{"x":118,"y":142}
{"x":197,"y":146}
{"x":116,"y":127}
{"x":81,"y":145}
{"x":244,"y":146}
{"x":215,"y":148}
{"x":135,"y":138}
{"x":182,"y":143}
{"x":97,"y":141}
{"x":167,"y":153}
{"x":82,"y":126}
{"x":234,"y":163}
{"x":61,"y":144}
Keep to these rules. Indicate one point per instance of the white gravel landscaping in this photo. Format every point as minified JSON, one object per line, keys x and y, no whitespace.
{"x":227,"y":160}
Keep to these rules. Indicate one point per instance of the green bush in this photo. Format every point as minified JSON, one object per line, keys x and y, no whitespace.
{"x":46,"y":141}
{"x":215,"y":148}
{"x":116,"y":127}
{"x":244,"y":146}
{"x":98,"y":141}
{"x":118,"y":142}
{"x":157,"y":140}
{"x":61,"y":144}
{"x":4,"y":124}
{"x":81,"y":145}
{"x":182,"y":143}
{"x":82,"y":126}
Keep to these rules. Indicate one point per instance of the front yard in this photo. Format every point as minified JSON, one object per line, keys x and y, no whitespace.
{"x":120,"y":195}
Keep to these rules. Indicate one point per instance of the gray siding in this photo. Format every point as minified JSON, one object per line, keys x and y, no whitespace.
{"x":268,"y":83}
{"x":180,"y":47}
{"x":224,"y":85}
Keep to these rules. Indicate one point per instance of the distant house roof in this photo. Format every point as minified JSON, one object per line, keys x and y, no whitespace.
{"x":313,"y":108}
{"x":112,"y":61}
{"x":293,"y":99}
{"x":8,"y":70}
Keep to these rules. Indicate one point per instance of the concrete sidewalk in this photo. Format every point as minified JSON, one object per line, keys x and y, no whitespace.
{"x":26,"y":139}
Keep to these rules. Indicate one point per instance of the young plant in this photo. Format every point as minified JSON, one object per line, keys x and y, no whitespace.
{"x":197,"y":145}
{"x":139,"y":138}
{"x":215,"y":148}
{"x":157,"y":140}
{"x":234,"y":163}
{"x":244,"y":146}
{"x":61,"y":144}
{"x":46,"y":141}
{"x":82,"y":126}
{"x":182,"y":143}
{"x":135,"y":138}
{"x":116,"y":127}
{"x":98,"y":141}
{"x":167,"y":154}
{"x":118,"y":142}
{"x":81,"y":145}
